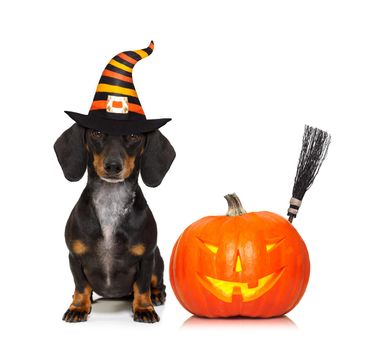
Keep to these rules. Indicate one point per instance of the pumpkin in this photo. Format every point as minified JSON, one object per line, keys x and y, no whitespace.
{"x":242,"y":264}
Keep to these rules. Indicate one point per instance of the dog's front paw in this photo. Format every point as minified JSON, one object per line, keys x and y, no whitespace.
{"x":147,"y":315}
{"x":75,"y":316}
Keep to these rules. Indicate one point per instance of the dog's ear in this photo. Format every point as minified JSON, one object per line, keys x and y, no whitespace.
{"x":157,"y":158}
{"x":71,"y":153}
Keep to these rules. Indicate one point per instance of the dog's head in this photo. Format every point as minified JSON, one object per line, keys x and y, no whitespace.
{"x":114,"y":158}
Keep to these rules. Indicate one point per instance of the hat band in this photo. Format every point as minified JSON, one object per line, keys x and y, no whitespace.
{"x":103,"y":104}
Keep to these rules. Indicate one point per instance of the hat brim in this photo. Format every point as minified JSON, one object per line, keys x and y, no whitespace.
{"x":115,"y":126}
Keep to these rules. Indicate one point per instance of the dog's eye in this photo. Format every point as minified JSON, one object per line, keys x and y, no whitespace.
{"x":133,"y":137}
{"x":97,"y":134}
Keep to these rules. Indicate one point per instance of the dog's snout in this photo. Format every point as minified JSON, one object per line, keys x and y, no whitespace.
{"x":113,"y":166}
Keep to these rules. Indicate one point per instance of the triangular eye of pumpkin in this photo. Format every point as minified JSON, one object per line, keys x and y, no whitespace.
{"x":271,"y":246}
{"x":211,"y":247}
{"x":238,"y":264}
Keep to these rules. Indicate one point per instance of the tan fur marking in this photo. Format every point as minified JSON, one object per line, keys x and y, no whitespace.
{"x":137,"y":249}
{"x":141,"y":301}
{"x":82,"y":301}
{"x":154,"y":289}
{"x":129,"y":165}
{"x":78,"y":247}
{"x":98,"y":163}
{"x":154,"y":281}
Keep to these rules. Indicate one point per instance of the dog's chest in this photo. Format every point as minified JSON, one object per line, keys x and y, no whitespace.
{"x":112,"y":203}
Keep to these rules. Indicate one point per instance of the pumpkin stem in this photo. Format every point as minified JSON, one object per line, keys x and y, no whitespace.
{"x":234,"y":205}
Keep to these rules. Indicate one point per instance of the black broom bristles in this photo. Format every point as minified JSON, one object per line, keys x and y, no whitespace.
{"x":314,"y":149}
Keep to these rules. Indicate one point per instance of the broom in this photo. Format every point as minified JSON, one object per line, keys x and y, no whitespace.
{"x":314,"y":149}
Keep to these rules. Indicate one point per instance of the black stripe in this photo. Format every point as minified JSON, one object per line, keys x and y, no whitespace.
{"x":126,"y":63}
{"x":135,"y":116}
{"x":148,"y":50}
{"x":103,"y":96}
{"x":133,"y":55}
{"x":115,"y":116}
{"x":118,"y":70}
{"x":116,"y":82}
{"x":294,"y":206}
{"x":129,"y":116}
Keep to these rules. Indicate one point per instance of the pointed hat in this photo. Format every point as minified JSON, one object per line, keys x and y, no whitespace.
{"x":116,"y":108}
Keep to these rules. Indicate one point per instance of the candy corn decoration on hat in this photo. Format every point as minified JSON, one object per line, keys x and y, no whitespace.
{"x":116,"y":108}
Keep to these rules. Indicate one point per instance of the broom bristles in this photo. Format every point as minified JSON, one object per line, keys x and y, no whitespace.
{"x":314,"y":150}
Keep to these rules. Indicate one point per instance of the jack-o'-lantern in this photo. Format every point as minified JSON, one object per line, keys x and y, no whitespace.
{"x":247,"y":264}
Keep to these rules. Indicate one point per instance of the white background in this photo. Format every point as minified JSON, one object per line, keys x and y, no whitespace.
{"x":240,"y":79}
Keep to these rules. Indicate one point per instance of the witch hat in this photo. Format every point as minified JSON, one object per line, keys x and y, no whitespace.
{"x":116,"y":108}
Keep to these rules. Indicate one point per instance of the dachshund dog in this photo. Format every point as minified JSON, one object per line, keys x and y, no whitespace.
{"x":111,"y":233}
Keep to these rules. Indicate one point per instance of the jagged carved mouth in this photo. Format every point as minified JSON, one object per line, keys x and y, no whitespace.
{"x":224,"y":290}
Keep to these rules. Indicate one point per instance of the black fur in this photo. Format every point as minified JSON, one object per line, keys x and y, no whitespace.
{"x":157,"y":159}
{"x":127,"y":269}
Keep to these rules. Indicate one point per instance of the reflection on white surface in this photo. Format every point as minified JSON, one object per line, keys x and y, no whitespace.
{"x":275,"y":322}
{"x":116,"y":311}
{"x":102,"y":305}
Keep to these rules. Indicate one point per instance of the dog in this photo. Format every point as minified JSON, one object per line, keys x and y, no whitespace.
{"x":111,"y":233}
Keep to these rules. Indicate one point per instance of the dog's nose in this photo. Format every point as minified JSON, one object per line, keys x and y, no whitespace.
{"x":113,"y":167}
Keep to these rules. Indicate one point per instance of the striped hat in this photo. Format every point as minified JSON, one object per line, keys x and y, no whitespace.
{"x":116,"y":108}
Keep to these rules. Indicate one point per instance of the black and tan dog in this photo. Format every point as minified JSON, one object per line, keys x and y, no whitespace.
{"x":111,"y":233}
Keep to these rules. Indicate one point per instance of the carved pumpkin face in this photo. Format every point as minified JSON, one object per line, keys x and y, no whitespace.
{"x":253,"y":265}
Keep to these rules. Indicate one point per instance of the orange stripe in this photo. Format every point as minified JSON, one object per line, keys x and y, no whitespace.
{"x":111,"y":74}
{"x":151,"y":45}
{"x":101,"y":104}
{"x":127,"y":58}
{"x":135,"y":108}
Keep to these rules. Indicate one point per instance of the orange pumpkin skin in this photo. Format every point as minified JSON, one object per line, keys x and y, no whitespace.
{"x":253,"y":265}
